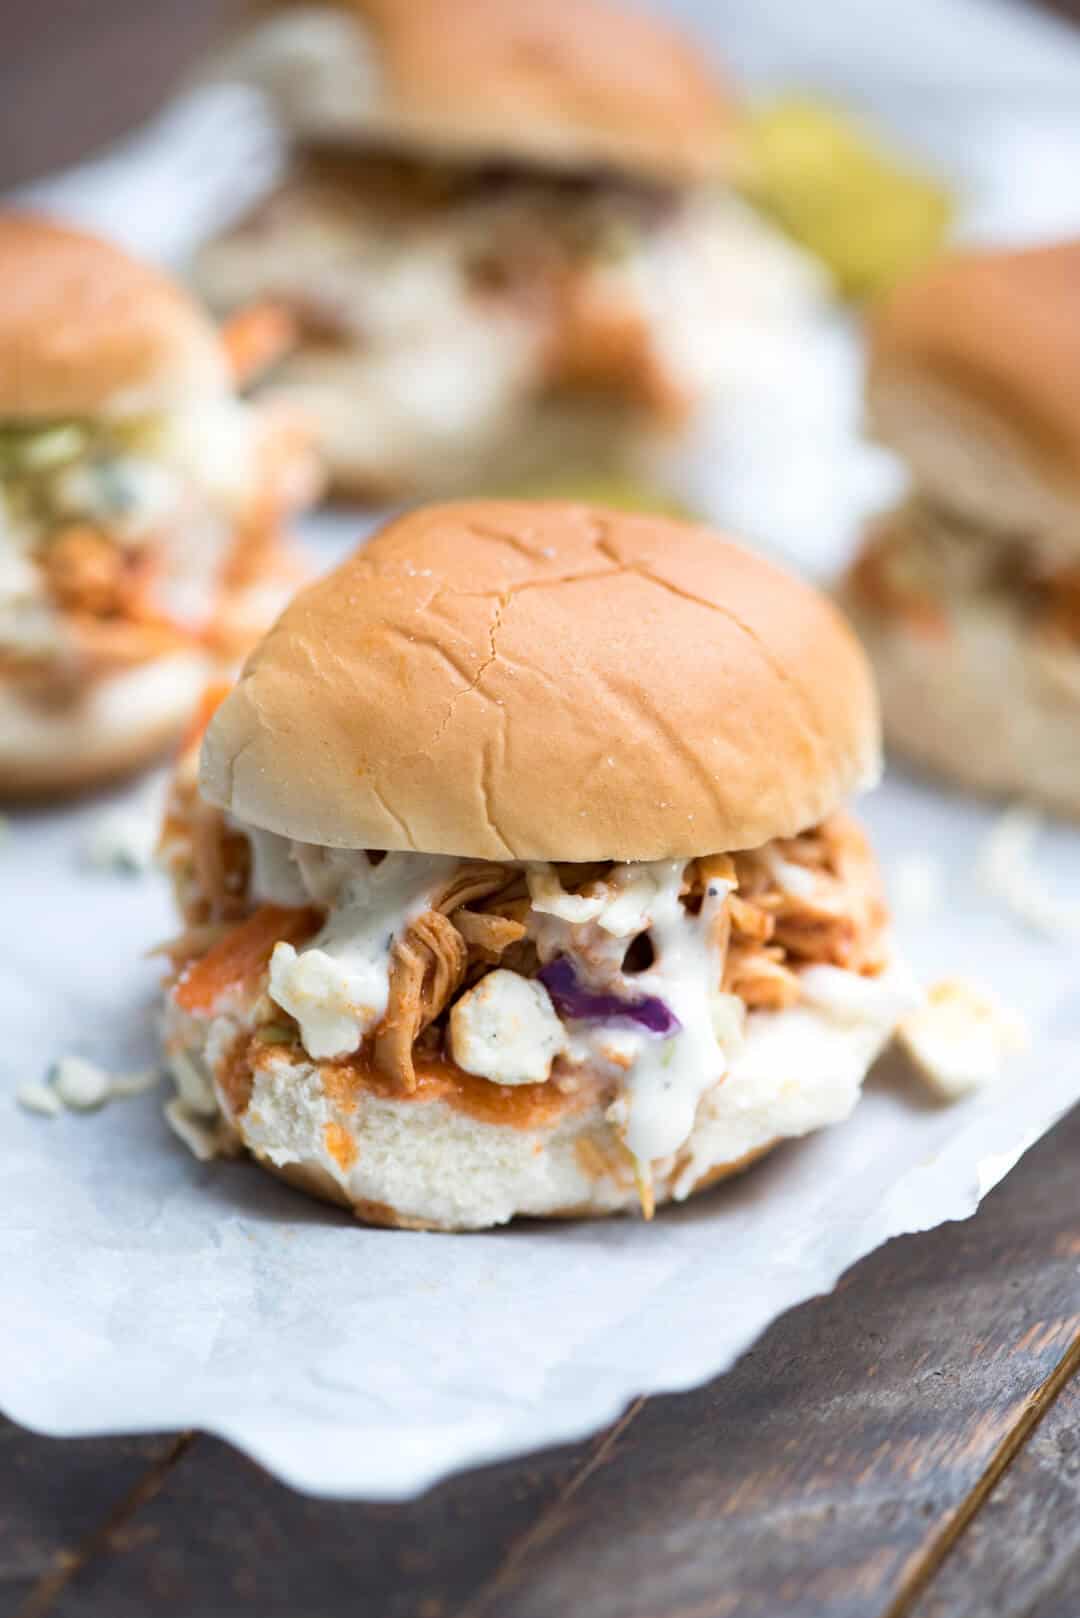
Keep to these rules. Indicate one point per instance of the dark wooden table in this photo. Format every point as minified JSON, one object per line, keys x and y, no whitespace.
{"x":906,"y":1448}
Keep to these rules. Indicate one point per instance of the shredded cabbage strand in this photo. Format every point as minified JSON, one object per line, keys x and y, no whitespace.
{"x":579,"y":1004}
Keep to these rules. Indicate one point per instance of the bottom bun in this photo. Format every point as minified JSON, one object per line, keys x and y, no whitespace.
{"x":528,"y":439}
{"x":432,"y":1164}
{"x":315,"y":1181}
{"x":992,"y":703}
{"x":120,"y":724}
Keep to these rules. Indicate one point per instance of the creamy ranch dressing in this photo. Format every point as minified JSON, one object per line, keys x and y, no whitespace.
{"x":275,"y":875}
{"x":665,"y":1078}
{"x":670,"y":1076}
{"x":799,"y":1069}
{"x":337,"y":986}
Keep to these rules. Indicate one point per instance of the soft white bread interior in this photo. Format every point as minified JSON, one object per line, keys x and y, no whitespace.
{"x":423,"y":1163}
{"x":499,"y":679}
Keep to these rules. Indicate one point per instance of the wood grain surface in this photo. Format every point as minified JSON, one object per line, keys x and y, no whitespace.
{"x":52,"y":1499}
{"x":906,"y":1448}
{"x":841,"y":1470}
{"x":1016,"y":1556}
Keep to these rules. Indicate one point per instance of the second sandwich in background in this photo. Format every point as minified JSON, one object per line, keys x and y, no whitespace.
{"x":968,"y":593}
{"x":509,"y":239}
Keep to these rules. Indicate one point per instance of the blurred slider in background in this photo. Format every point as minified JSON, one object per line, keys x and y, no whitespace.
{"x":968,"y":593}
{"x":511,"y":238}
{"x":141,"y":509}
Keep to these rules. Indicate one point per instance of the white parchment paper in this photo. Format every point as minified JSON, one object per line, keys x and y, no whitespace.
{"x":143,"y":1290}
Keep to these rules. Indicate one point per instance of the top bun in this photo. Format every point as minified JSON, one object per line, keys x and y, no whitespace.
{"x":497,"y":679}
{"x":975,"y":379}
{"x":568,"y":84}
{"x":86,"y":330}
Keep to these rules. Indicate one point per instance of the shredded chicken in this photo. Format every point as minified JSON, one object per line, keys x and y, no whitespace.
{"x":102,"y":592}
{"x":838,"y":918}
{"x":488,"y":935}
{"x":1060,"y":603}
{"x":472,"y":883}
{"x":882,"y":576}
{"x":208,"y":862}
{"x":917,"y":561}
{"x":428,"y":969}
{"x":814,"y":898}
{"x":220,"y":859}
{"x":600,"y":342}
{"x":88,"y":573}
{"x":256,"y":337}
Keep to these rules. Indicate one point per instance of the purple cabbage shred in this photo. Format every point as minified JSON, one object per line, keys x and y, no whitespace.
{"x":573,"y":1001}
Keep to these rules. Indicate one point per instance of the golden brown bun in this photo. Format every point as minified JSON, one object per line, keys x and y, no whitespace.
{"x":501,"y":679}
{"x":568,"y":84}
{"x":314,"y":1180}
{"x":86,"y":329}
{"x":975,"y":379}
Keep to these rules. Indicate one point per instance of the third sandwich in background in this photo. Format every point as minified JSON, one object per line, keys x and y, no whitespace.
{"x":968,"y":593}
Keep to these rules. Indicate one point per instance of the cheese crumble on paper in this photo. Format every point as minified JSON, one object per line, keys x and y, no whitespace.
{"x":1007,"y":871}
{"x":82,"y":1086}
{"x":960,"y":1039}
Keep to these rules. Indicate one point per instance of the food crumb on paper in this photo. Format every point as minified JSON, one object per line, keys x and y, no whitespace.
{"x":82,"y":1086}
{"x":38,"y":1097}
{"x":959,"y":1038}
{"x":1007,"y":871}
{"x":202,"y":1138}
{"x":134,"y":1084}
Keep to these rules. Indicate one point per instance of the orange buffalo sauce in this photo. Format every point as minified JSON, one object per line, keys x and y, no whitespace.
{"x":257,"y":337}
{"x":518,"y":1106}
{"x":242,"y":956}
{"x":235,"y":1075}
{"x":341,"y":1146}
{"x":213,"y":695}
{"x":602,"y":344}
{"x":873,"y":579}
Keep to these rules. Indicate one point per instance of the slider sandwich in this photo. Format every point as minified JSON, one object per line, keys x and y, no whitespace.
{"x":517,"y":878}
{"x":509,"y":238}
{"x":141,"y":508}
{"x":967,"y":594}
